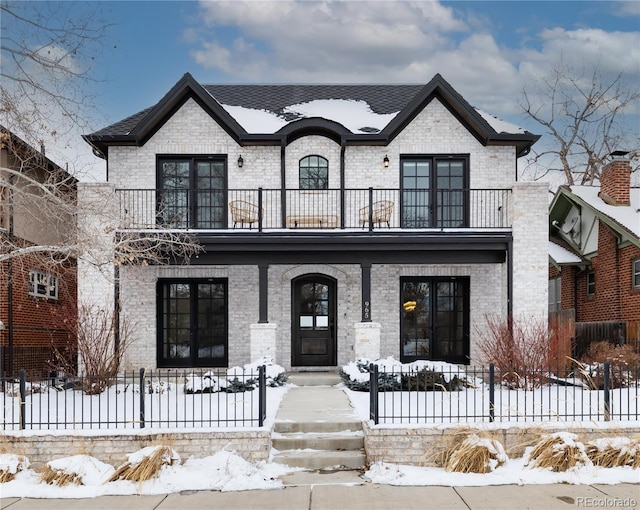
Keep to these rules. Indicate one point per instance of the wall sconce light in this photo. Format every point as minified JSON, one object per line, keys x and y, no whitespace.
{"x":385,"y":161}
{"x":240,"y":161}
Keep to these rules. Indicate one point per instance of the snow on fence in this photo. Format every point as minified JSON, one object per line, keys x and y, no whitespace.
{"x":451,"y":394}
{"x":225,"y":398}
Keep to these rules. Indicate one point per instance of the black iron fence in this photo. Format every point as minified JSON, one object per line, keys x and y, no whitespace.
{"x":267,"y":209}
{"x":136,"y":400}
{"x":486,"y":394}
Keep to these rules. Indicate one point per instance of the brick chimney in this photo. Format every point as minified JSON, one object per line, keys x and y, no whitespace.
{"x":615,"y":180}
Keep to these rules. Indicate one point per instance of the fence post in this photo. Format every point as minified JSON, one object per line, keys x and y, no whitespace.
{"x":262,"y":394}
{"x":492,"y":393}
{"x":142,"y":399}
{"x":373,"y":393}
{"x":371,"y":210}
{"x":607,"y":393}
{"x":23,"y":396}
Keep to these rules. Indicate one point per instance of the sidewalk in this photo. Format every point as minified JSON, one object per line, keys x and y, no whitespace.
{"x":361,"y":497}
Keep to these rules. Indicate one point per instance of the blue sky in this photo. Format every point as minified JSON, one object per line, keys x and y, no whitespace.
{"x":487,"y":50}
{"x":153,"y":43}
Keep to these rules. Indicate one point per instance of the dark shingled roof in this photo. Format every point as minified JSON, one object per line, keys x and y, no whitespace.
{"x":382,"y":99}
{"x":406,"y":100}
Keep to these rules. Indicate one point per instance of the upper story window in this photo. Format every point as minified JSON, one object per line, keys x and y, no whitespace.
{"x":192,"y":191}
{"x":43,"y":285}
{"x":434,"y":191}
{"x":591,"y":283}
{"x":635,"y":273}
{"x":314,"y":173}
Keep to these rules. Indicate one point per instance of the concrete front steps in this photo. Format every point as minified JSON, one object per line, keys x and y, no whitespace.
{"x":315,"y":427}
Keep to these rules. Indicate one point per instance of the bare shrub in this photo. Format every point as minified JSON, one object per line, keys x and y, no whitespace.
{"x":520,"y":349}
{"x":623,"y":359}
{"x":100,"y":349}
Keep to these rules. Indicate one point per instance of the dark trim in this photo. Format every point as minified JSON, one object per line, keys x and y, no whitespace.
{"x":366,"y":292}
{"x":510,"y":278}
{"x":263,"y":293}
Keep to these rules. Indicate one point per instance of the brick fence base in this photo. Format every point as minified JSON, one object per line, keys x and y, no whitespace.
{"x":41,"y":448}
{"x":421,"y":446}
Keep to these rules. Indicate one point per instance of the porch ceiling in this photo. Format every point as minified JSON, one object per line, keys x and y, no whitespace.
{"x":440,"y":248}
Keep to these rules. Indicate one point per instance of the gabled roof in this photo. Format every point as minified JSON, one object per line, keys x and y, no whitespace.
{"x":353,"y":114}
{"x":18,"y":147}
{"x":623,"y":220}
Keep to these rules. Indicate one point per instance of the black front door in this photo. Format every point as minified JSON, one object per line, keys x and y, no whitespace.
{"x":313,"y":321}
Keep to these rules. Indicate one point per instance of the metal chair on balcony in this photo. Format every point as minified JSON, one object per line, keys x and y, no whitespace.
{"x":243,"y":212}
{"x":381,"y":213}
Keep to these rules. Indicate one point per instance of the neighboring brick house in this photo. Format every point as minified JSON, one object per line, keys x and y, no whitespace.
{"x":594,"y":260}
{"x":37,"y":294}
{"x":337,"y":222}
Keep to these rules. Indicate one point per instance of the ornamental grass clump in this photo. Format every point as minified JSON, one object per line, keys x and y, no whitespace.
{"x":558,"y":452}
{"x":60,"y":477}
{"x":76,"y":470}
{"x":145,"y":464}
{"x":612,"y":452}
{"x":10,"y":465}
{"x":476,"y":455}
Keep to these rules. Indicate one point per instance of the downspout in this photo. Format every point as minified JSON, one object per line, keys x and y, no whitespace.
{"x":342,"y":180}
{"x":510,"y":278}
{"x":283,"y":183}
{"x":10,"y":279}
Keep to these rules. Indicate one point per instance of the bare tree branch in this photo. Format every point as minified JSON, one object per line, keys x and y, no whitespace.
{"x":583,"y":116}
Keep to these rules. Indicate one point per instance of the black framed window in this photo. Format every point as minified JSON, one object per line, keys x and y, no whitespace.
{"x":635,"y":273}
{"x":314,"y":173}
{"x":434,"y":322}
{"x":591,"y":283}
{"x":192,"y":191}
{"x":192,"y":323}
{"x":434,"y":191}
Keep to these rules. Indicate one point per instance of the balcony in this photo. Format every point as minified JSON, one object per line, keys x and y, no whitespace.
{"x":329,"y":210}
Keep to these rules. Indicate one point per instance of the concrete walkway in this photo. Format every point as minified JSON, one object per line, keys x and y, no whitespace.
{"x":318,"y":490}
{"x":361,"y":497}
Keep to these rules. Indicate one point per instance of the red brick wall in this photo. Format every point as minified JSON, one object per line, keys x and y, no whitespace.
{"x":615,"y":181}
{"x":39,"y":325}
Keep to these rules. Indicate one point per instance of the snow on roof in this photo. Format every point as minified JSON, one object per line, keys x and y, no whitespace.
{"x":356,"y":116}
{"x":561,"y":255}
{"x":627,"y":216}
{"x":499,"y":125}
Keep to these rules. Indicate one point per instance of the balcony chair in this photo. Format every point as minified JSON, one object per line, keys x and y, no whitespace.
{"x":382,"y":211}
{"x":243,"y":212}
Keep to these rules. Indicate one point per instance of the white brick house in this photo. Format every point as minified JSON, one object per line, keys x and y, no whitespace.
{"x":382,"y":220}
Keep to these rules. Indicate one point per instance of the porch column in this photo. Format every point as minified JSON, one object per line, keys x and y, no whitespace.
{"x":263,"y":293}
{"x":367,"y":345}
{"x":263,"y":341}
{"x":366,"y":291}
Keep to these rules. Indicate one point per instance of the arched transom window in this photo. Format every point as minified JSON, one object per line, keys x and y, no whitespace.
{"x":314,"y":173}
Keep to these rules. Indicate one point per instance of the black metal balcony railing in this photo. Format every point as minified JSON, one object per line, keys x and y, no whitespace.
{"x":269,"y":209}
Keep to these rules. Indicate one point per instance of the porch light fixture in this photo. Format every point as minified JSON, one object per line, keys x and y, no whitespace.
{"x":240,"y":161}
{"x":385,"y":161}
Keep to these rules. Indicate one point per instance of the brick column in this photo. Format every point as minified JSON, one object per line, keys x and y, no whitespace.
{"x":530,"y":211}
{"x":367,"y":344}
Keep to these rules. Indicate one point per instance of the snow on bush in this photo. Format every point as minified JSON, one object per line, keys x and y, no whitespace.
{"x":237,"y":379}
{"x":421,"y":375}
{"x":477,"y":455}
{"x":78,"y":470}
{"x":558,"y":452}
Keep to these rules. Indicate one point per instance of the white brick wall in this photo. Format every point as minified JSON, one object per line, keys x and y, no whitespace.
{"x":434,"y":131}
{"x":530,"y":250}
